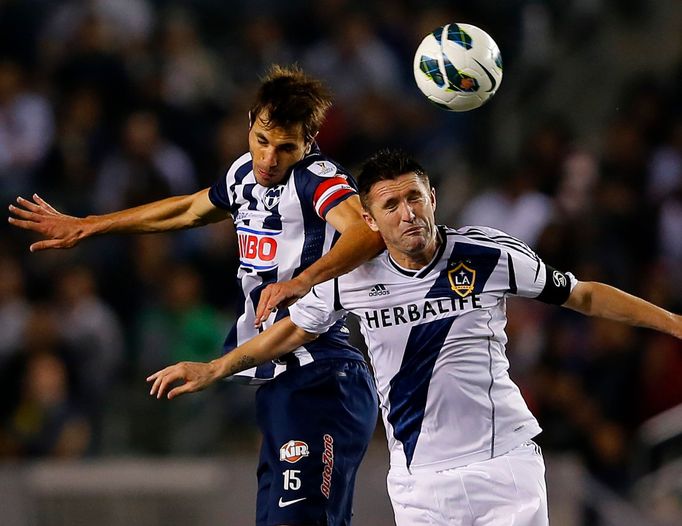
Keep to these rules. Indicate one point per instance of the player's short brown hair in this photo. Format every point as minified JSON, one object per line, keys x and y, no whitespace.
{"x":386,"y":165}
{"x":290,"y":97}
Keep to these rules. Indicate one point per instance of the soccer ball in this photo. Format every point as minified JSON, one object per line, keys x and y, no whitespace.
{"x":458,"y":67}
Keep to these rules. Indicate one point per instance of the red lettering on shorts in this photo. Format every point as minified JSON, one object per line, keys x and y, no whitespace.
{"x":328,"y":462}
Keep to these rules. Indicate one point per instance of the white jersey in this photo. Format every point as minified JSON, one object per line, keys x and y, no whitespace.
{"x":281,"y":231}
{"x":437,"y":343}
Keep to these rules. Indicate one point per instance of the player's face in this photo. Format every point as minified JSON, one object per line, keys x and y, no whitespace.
{"x":274,"y":150}
{"x":403,"y":211}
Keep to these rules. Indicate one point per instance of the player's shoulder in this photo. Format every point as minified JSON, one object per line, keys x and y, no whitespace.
{"x":484,"y":234}
{"x":240,"y":167}
{"x":320,"y":165}
{"x":366,"y":274}
{"x":480,"y":230}
{"x":489,"y":236}
{"x":322,"y":182}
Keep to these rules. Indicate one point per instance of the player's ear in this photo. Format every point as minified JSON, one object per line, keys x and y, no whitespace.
{"x":250,"y":119}
{"x":370,"y":221}
{"x":309,"y":142}
{"x":433,"y":197}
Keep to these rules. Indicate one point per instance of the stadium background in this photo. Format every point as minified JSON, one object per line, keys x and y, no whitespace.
{"x":110,"y":103}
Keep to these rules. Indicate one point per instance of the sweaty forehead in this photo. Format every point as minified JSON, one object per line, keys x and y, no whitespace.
{"x":403,"y":184}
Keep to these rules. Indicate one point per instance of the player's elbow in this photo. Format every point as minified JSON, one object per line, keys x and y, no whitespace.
{"x":305,"y":336}
{"x":201,"y":211}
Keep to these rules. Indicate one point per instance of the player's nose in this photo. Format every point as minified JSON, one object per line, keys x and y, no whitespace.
{"x":406,"y":212}
{"x":270,"y":156}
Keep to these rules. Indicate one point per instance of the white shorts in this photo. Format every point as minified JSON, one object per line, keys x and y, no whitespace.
{"x":508,"y":490}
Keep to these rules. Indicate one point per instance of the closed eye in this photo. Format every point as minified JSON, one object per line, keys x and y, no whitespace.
{"x":390,"y":205}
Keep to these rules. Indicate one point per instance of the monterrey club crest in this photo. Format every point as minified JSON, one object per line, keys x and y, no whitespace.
{"x":272,"y":196}
{"x":462,"y":279}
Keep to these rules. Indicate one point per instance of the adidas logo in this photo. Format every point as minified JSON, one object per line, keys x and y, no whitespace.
{"x":379,"y":290}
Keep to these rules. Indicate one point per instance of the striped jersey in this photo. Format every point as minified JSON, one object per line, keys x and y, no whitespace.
{"x":281,"y":231}
{"x":436,"y":340}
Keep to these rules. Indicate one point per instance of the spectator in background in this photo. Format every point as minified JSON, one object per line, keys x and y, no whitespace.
{"x":190,"y":74}
{"x":354,"y":60}
{"x":94,"y":338}
{"x":267,"y":44}
{"x":664,"y":188}
{"x":46,"y":417}
{"x":93,"y":61}
{"x":134,"y":278}
{"x":515,"y":205}
{"x":146,"y":167}
{"x":181,"y":326}
{"x":82,"y":140}
{"x":45,"y":422}
{"x":26,"y":129}
{"x":128,"y":21}
{"x":14,"y":309}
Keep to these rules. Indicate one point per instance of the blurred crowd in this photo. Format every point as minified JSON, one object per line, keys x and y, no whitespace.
{"x":106,"y":104}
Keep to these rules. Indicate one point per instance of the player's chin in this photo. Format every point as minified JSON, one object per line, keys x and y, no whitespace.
{"x":414,"y":243}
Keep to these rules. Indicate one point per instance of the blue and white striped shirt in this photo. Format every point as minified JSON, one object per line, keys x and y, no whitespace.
{"x":281,"y":231}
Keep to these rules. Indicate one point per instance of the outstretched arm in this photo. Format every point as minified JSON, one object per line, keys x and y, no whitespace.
{"x":597,"y":299}
{"x":64,"y":231}
{"x":281,"y":338}
{"x":356,"y":245}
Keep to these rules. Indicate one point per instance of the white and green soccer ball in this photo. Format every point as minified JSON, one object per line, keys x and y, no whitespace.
{"x":458,"y":67}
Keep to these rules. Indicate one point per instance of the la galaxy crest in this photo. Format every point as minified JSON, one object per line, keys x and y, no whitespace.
{"x":462,"y":279}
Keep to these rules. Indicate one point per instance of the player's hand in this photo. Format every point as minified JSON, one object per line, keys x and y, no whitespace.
{"x":61,"y":230}
{"x":279,"y":296}
{"x":195,"y":376}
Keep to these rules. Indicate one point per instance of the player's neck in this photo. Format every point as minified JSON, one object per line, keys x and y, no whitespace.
{"x":418,"y":260}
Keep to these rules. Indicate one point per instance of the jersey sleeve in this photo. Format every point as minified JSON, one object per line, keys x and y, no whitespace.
{"x":529,"y":276}
{"x":324,"y":185}
{"x":316,"y":311}
{"x":219,"y":195}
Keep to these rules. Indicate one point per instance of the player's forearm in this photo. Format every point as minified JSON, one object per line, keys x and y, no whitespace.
{"x":356,"y":245}
{"x":599,"y":299}
{"x":173,"y":213}
{"x":282,"y":338}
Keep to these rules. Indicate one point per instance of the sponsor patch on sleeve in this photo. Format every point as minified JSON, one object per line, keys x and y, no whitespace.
{"x":323,"y":168}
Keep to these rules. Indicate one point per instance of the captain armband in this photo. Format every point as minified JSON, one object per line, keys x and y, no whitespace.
{"x":557,"y":286}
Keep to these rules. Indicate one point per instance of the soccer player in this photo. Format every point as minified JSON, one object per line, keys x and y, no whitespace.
{"x":432,"y":311}
{"x":299,"y":220}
